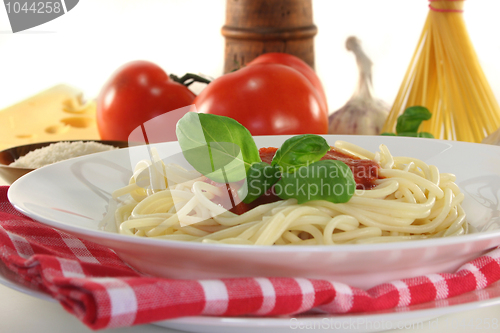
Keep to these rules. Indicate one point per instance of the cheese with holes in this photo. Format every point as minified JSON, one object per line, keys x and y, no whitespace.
{"x":58,"y":113}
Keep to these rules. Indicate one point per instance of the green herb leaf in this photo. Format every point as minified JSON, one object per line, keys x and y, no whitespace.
{"x":300,"y":150}
{"x":260,"y":177}
{"x":329,"y":180}
{"x":218,"y":147}
{"x":411,"y":119}
{"x":388,"y":134}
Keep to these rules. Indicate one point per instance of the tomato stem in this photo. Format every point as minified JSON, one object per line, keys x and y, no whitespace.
{"x":189,"y":78}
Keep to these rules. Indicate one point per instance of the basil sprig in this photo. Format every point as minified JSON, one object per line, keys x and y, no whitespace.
{"x":409,"y":122}
{"x":224,"y":151}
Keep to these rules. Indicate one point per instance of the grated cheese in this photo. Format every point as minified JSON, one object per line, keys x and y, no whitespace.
{"x":59,"y":151}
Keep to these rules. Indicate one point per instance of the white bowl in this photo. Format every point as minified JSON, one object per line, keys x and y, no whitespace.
{"x":73,"y":196}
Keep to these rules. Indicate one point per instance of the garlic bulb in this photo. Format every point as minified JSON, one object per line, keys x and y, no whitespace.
{"x":362,"y":114}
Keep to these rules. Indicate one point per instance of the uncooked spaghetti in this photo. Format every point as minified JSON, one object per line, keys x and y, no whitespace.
{"x":445,"y":76}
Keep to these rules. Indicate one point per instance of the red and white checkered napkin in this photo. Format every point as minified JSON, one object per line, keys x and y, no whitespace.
{"x":91,"y":282}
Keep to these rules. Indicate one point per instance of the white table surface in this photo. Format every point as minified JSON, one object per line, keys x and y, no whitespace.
{"x":20,"y":312}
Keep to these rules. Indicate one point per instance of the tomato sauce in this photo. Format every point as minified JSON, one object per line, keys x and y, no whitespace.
{"x":365,"y":174}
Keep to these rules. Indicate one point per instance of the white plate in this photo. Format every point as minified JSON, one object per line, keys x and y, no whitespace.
{"x":73,"y":196}
{"x":424,"y":316}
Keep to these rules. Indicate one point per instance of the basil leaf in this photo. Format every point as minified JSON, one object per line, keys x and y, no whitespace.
{"x":411,"y":119}
{"x":260,"y":177}
{"x":218,"y":147}
{"x":329,"y":180}
{"x":300,"y":150}
{"x":388,"y":134}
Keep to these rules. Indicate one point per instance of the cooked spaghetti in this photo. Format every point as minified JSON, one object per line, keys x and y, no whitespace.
{"x":411,"y":200}
{"x":445,"y":76}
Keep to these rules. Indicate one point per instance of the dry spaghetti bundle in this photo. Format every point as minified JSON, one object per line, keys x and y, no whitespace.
{"x":445,"y":76}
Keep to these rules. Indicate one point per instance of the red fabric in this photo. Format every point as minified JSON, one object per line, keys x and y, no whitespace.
{"x":92,"y":283}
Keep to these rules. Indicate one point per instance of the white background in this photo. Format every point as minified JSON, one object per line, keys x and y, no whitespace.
{"x":85,"y":46}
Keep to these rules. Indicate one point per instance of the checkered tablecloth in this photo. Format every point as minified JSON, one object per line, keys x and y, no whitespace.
{"x":91,"y":282}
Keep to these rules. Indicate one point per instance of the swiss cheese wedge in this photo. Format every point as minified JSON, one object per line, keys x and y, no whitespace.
{"x":58,"y":113}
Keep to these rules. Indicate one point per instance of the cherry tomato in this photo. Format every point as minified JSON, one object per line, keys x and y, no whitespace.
{"x":268,"y":99}
{"x":297,"y":64}
{"x":136,"y":93}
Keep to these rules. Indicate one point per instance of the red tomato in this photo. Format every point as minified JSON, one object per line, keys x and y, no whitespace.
{"x":268,"y":99}
{"x":297,"y":64}
{"x":136,"y":93}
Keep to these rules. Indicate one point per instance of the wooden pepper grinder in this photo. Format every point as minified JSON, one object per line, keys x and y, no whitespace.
{"x":254,"y":27}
